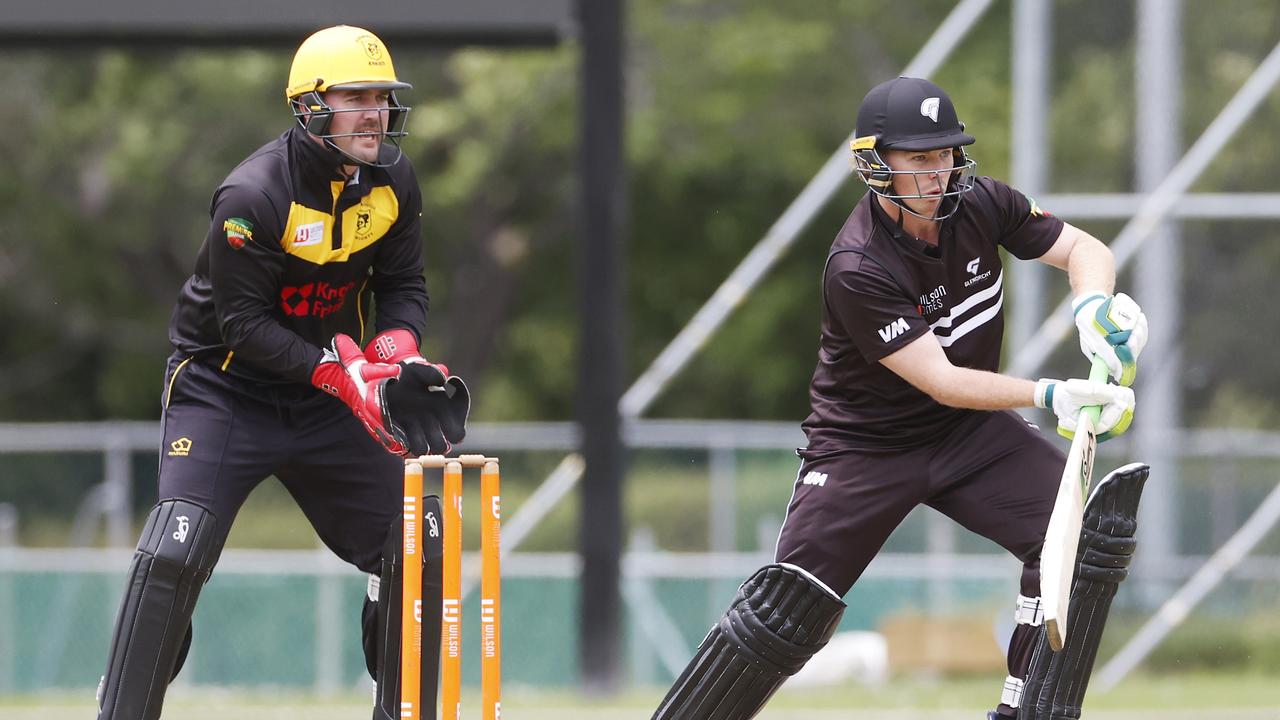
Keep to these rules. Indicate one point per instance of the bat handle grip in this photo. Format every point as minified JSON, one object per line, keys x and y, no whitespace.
{"x":1097,"y":373}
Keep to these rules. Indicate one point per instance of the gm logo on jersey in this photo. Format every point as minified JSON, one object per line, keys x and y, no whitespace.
{"x":893,"y":329}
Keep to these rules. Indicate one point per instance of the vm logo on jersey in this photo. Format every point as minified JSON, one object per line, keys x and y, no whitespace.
{"x":815,"y":478}
{"x":893,"y":329}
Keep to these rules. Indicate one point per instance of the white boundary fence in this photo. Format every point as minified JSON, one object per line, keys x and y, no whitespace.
{"x":721,"y":440}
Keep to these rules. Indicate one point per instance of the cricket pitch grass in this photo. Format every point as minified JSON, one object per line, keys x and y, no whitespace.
{"x":1176,"y":697}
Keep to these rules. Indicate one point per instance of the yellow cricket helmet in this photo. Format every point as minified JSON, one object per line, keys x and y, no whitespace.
{"x":340,"y":58}
{"x":343,"y":57}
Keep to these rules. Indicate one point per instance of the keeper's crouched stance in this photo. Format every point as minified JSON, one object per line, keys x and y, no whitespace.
{"x":268,"y":378}
{"x":908,"y":408}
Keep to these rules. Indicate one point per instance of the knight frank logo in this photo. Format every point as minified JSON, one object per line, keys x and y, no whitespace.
{"x":315,"y":299}
{"x":180,"y":447}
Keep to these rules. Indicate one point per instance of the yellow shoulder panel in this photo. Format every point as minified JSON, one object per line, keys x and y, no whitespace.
{"x":308,"y":232}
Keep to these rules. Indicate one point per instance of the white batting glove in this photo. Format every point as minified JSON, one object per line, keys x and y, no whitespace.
{"x":1113,"y":328}
{"x":1067,"y":398}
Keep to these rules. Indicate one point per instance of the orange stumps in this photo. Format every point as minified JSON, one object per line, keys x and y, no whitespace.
{"x":411,"y":596}
{"x":490,"y":592}
{"x":450,"y":646}
{"x":451,"y":613}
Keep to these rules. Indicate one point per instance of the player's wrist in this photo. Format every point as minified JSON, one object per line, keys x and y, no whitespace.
{"x":1044,"y":392}
{"x":1083,"y":299}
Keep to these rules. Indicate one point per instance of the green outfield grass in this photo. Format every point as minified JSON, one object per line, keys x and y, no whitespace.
{"x":1175,"y":697}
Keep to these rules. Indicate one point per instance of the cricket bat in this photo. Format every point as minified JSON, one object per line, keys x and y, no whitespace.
{"x":1061,"y":539}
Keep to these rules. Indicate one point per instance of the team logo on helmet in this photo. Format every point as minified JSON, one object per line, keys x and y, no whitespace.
{"x":372,"y":47}
{"x":929,"y":108}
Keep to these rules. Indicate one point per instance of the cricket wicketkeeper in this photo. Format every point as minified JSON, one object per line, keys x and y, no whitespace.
{"x":311,"y":236}
{"x":908,"y":409}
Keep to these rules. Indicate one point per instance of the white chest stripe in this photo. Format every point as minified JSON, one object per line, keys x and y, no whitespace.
{"x":970,"y":302}
{"x":972,"y":323}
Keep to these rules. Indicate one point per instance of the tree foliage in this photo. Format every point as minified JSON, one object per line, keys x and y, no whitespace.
{"x":733,"y":105}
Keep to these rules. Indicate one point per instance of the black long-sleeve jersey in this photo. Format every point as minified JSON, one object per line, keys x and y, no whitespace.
{"x":294,"y":254}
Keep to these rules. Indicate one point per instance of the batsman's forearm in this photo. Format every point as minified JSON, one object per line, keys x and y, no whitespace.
{"x":1091,"y":268}
{"x":982,"y":390}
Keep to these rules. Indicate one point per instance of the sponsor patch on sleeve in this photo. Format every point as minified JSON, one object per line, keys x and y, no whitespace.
{"x":238,"y":230}
{"x":1036,"y":209}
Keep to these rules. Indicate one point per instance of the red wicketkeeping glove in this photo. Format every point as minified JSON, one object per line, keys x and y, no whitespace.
{"x":398,"y":346}
{"x":345,"y":373}
{"x":429,"y":406}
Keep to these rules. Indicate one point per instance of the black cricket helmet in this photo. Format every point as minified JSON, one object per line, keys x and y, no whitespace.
{"x":908,"y":113}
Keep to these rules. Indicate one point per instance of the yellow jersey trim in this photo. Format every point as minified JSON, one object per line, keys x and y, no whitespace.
{"x":308,"y":233}
{"x":168,"y":393}
{"x":360,"y":307}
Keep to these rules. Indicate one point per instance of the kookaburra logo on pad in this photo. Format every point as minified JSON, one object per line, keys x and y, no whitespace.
{"x":181,"y":533}
{"x":929,"y":108}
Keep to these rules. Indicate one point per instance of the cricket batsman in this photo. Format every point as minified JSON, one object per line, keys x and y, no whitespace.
{"x":908,"y":408}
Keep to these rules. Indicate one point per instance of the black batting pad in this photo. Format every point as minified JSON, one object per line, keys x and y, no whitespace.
{"x":1056,"y":682}
{"x":175,"y":555}
{"x":779,"y":619}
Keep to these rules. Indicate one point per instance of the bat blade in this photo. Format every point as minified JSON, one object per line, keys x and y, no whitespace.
{"x":1058,"y":557}
{"x":1062,"y":537}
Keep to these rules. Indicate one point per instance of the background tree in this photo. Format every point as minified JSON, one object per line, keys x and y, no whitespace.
{"x":733,"y":105}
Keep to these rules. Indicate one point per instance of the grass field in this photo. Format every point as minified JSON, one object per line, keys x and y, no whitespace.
{"x":1180,"y":697}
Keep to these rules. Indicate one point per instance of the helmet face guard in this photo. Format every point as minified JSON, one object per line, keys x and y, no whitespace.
{"x":879,"y":177}
{"x":911,"y":115}
{"x":345,"y":58}
{"x":315,"y":116}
